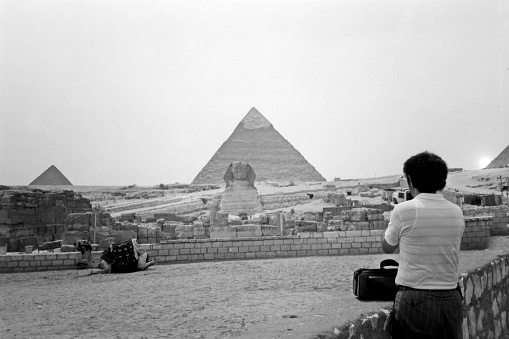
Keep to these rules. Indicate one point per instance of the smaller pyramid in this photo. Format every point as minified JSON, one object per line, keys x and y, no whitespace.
{"x":51,"y":176}
{"x":502,"y":160}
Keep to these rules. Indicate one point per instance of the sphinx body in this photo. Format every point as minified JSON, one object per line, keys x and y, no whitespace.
{"x":240,"y":194}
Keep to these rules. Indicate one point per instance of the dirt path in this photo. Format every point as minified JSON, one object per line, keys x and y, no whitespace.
{"x":272,"y":298}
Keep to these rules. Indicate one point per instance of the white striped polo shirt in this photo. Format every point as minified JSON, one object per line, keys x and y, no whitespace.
{"x":428,"y":230}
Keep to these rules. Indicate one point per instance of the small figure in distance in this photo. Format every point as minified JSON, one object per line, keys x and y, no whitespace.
{"x":428,"y":231}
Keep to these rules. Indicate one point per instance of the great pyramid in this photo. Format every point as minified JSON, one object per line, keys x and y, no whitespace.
{"x":257,"y":142}
{"x":51,"y":176}
{"x":502,"y":160}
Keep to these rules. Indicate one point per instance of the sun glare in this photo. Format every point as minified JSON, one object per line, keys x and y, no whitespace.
{"x":484,"y":162}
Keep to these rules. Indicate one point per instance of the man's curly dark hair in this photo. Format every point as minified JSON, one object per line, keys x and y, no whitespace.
{"x":427,"y":172}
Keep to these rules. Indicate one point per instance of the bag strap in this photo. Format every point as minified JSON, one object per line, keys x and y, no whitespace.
{"x":388,"y":262}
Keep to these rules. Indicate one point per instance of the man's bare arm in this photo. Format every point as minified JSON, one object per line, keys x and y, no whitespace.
{"x":386,"y":247}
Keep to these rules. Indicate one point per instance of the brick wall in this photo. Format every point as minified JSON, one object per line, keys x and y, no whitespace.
{"x":485,"y":307}
{"x":303,"y":244}
{"x":476,"y":234}
{"x":39,"y":262}
{"x":500,"y":214}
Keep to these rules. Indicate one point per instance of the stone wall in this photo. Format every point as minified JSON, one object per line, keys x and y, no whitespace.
{"x":272,"y":202}
{"x":500,"y":214}
{"x":485,"y":307}
{"x":33,"y":216}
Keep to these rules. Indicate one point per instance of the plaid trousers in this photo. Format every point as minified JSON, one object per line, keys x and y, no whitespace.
{"x":419,"y":314}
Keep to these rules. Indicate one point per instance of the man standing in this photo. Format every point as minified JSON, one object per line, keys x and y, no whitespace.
{"x":428,"y":231}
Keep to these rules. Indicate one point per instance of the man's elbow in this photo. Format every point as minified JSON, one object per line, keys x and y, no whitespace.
{"x":388,"y":248}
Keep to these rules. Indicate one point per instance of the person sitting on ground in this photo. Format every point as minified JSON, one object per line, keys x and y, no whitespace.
{"x":428,"y":230}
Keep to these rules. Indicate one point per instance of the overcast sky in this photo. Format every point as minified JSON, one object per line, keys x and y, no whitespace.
{"x":145,"y":92}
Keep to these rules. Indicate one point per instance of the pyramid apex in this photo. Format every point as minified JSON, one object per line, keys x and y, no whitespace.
{"x":255,"y":120}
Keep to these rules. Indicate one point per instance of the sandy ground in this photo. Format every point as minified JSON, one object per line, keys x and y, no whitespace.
{"x":272,"y":298}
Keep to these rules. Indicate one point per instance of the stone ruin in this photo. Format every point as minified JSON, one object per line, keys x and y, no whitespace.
{"x":31,"y":217}
{"x":240,"y":195}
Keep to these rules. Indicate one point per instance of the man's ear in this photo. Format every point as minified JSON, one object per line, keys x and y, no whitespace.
{"x":409,"y":181}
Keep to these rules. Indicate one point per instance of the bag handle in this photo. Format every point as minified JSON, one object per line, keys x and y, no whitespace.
{"x":388,"y":262}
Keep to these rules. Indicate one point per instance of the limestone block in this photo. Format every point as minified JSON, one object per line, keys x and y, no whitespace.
{"x":128,"y":227}
{"x":480,"y":319}
{"x":120,"y":236}
{"x":374,"y":214}
{"x":477,"y":286}
{"x":378,"y":224}
{"x":472,"y":328}
{"x":503,"y":320}
{"x":360,"y":225}
{"x":321,"y":227}
{"x":142,"y":231}
{"x":217,"y":232}
{"x":71,"y":237}
{"x":336,"y":223}
{"x":498,"y":328}
{"x":465,"y":328}
{"x":306,"y":228}
{"x":290,"y":223}
{"x":244,"y":231}
{"x":355,"y":214}
{"x":152,"y":231}
{"x":67,"y":248}
{"x":469,"y":290}
{"x":269,"y":230}
{"x":169,"y":227}
{"x":495,"y":308}
{"x":198,"y":230}
{"x":184,"y":231}
{"x":79,"y":218}
{"x":236,"y":222}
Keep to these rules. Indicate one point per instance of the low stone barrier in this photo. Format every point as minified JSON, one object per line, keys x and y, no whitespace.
{"x":39,"y":262}
{"x":500,"y":215}
{"x":241,"y":247}
{"x":485,"y":307}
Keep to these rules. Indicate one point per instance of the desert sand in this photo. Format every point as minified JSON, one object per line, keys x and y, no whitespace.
{"x":272,"y":298}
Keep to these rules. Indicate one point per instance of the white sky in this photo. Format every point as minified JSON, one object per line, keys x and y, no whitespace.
{"x":145,"y":92}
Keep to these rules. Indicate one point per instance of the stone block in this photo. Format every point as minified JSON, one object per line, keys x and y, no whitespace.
{"x":67,"y":248}
{"x":128,"y":227}
{"x":217,"y":232}
{"x":268,"y":231}
{"x":72,"y":237}
{"x":184,"y":231}
{"x":321,"y":227}
{"x":199,"y":230}
{"x":79,"y":218}
{"x":245,"y":231}
{"x":170,"y":227}
{"x":152,"y":232}
{"x":118,"y":236}
{"x":142,"y":231}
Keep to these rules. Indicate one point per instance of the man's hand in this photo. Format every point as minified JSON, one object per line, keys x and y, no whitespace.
{"x":385,"y":246}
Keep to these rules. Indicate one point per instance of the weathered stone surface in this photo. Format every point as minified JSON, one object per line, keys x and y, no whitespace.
{"x":217,"y":232}
{"x":184,"y":231}
{"x":268,"y":231}
{"x":245,"y":231}
{"x":71,"y":237}
{"x":240,"y":195}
